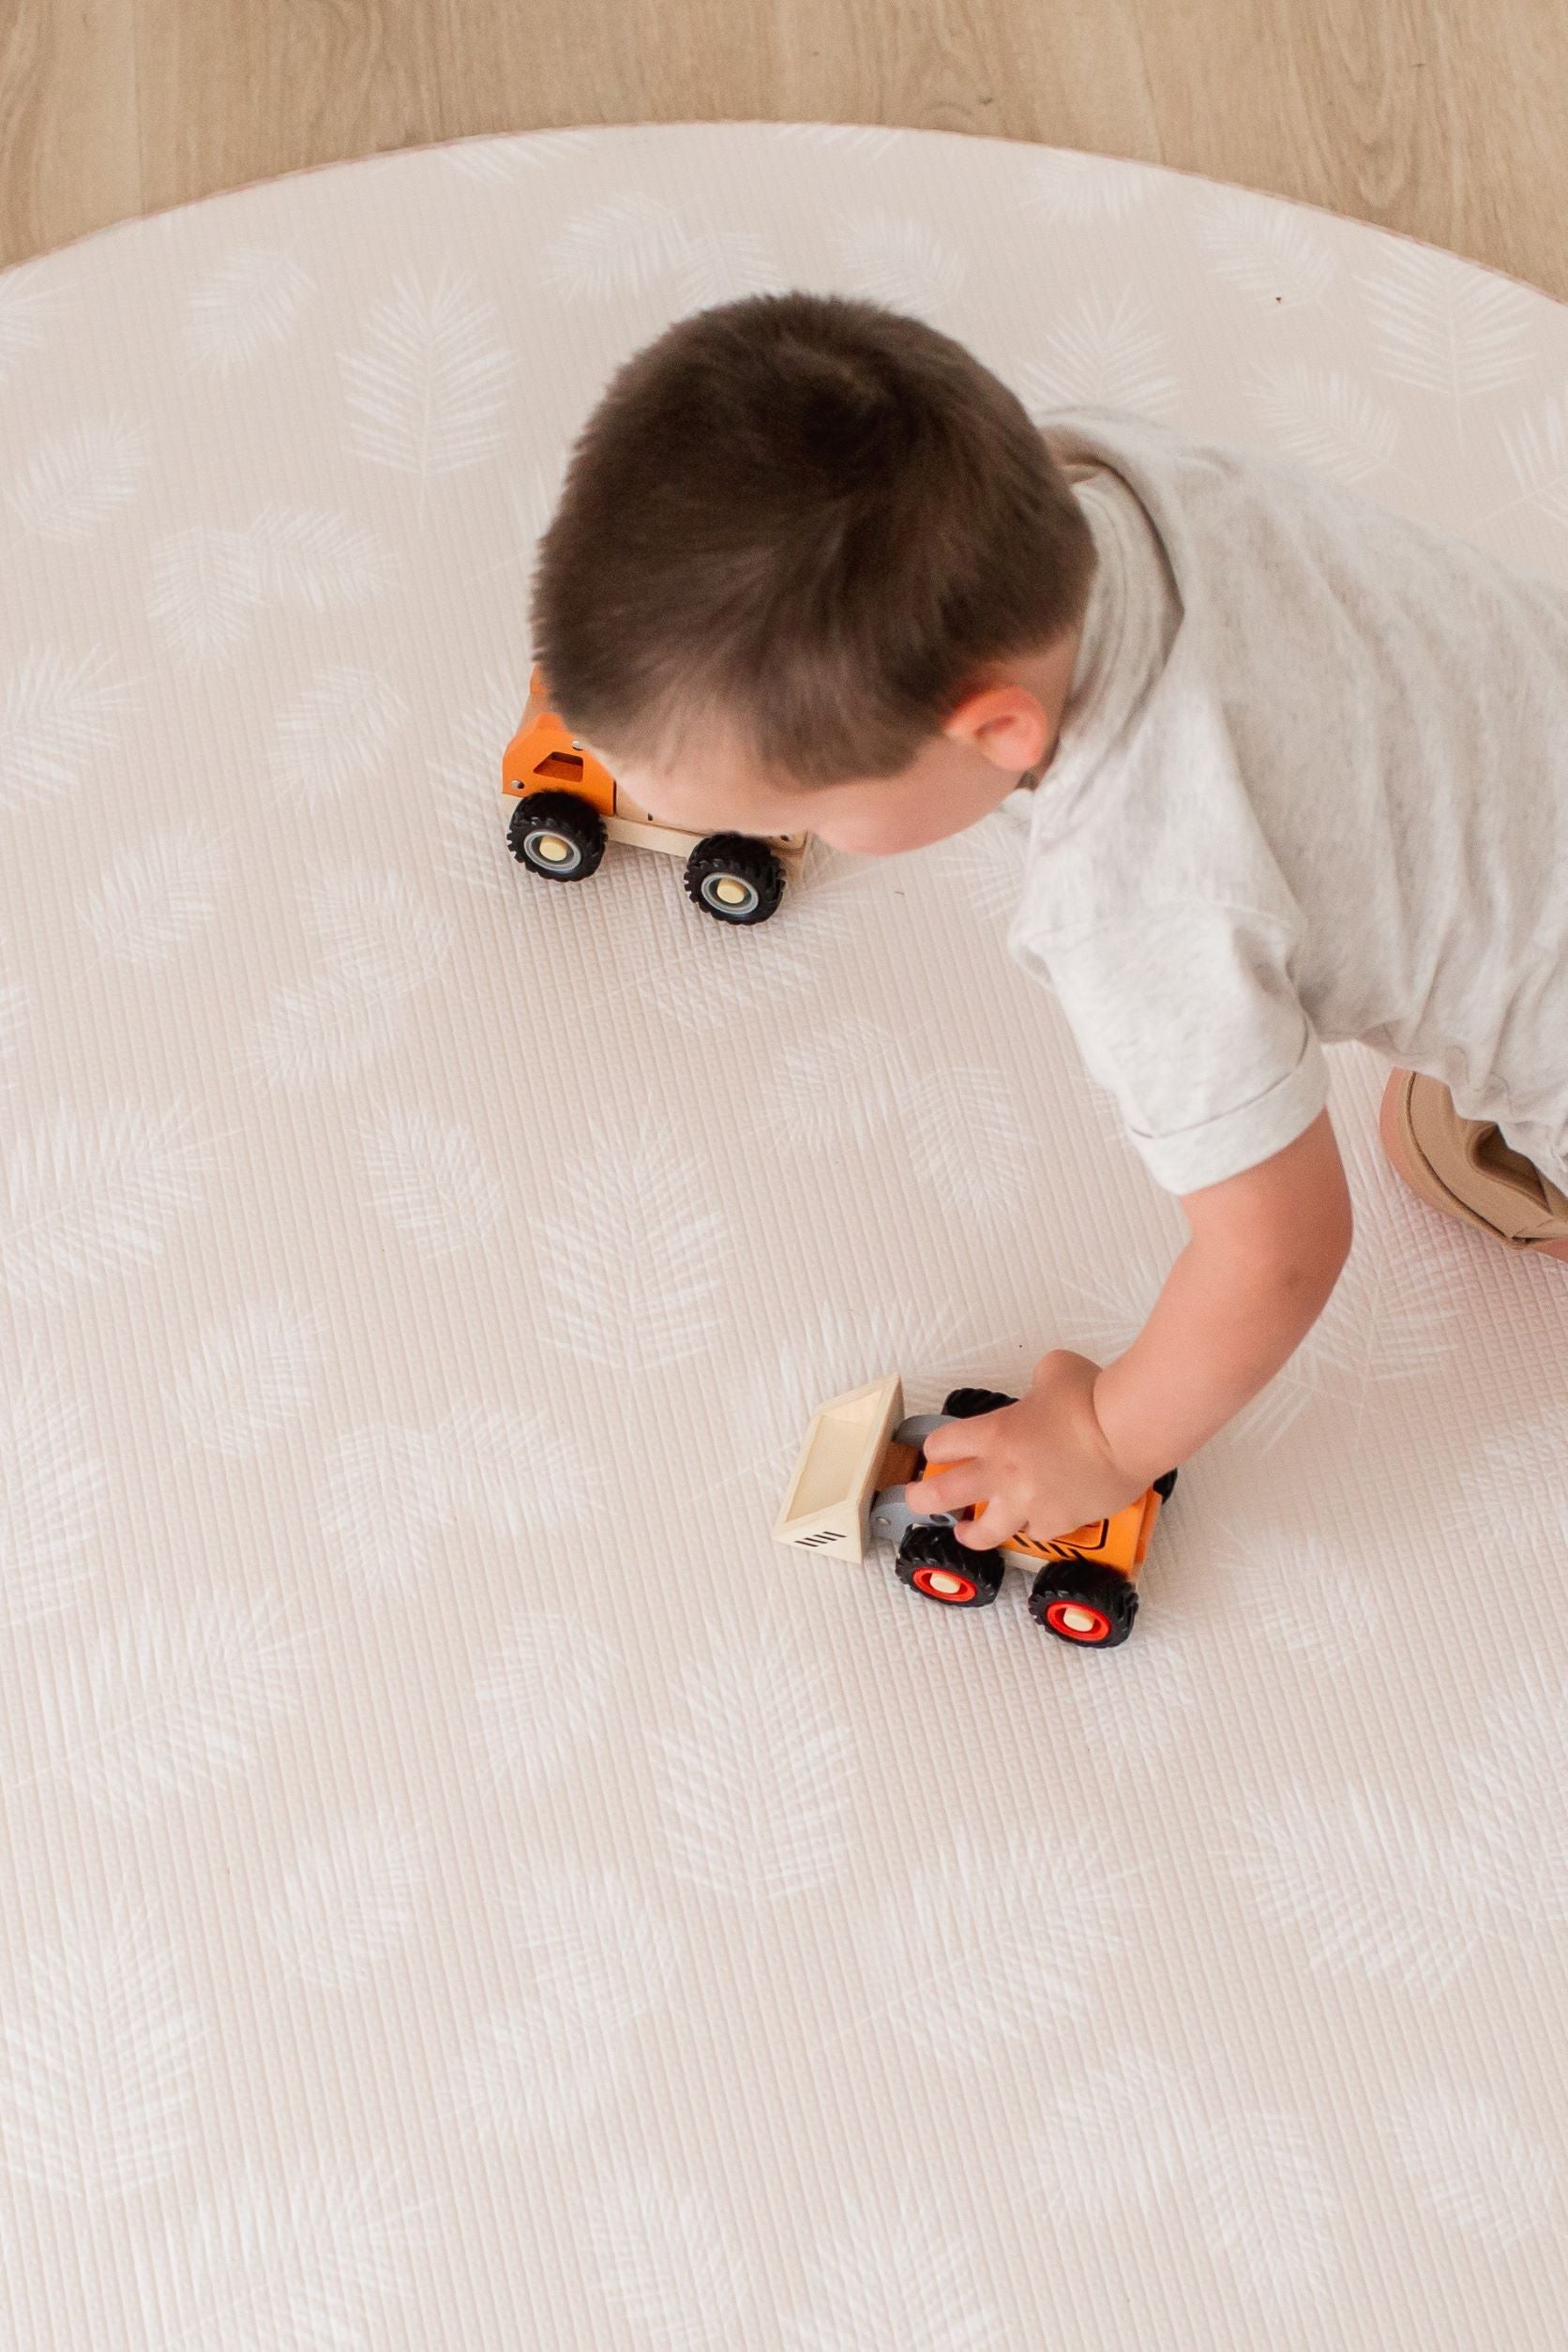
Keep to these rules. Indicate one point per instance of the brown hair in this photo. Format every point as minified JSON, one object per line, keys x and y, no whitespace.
{"x":810,"y":523}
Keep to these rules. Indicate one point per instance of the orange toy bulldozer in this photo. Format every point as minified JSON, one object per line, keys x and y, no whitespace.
{"x":858,"y":1479}
{"x":569,"y":805}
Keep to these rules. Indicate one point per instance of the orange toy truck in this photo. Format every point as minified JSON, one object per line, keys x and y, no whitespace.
{"x":849,"y":1487}
{"x":569,"y":805}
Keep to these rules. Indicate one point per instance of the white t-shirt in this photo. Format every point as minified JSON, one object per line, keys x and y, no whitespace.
{"x":1311,"y":784}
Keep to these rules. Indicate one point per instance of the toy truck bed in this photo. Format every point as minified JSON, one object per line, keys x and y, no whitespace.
{"x":843,"y":1462}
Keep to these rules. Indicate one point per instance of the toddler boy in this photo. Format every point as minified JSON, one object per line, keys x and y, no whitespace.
{"x":1287,"y":767}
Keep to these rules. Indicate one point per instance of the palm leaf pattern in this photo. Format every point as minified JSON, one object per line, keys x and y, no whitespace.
{"x":900,"y":260}
{"x":597,"y":1961}
{"x":101,"y":2027}
{"x":249,"y":1375}
{"x":1479,"y":2170}
{"x":327,"y":1029}
{"x":663,"y":2254}
{"x":250,"y":303}
{"x":752,"y":1777}
{"x":635,"y":1266}
{"x":1525,"y":1460}
{"x":616,"y":245}
{"x":316,"y":559}
{"x":351,"y":1898}
{"x":1369,"y":1884}
{"x":166,"y":1702}
{"x":78,"y":481}
{"x":377,"y":929}
{"x":156,"y":895}
{"x":1512,"y":1842}
{"x":1537,"y":446}
{"x":1275,"y":253}
{"x":314,"y":2257}
{"x":1063,"y":186}
{"x":1331,"y":422}
{"x":427,"y":388}
{"x":87,"y":1198}
{"x":1251,"y":2186}
{"x":58,"y":720}
{"x":1109,"y":345}
{"x":889,"y":2272}
{"x":429,"y":1176}
{"x":336,"y":735}
{"x":204,"y":587}
{"x":15,"y":1003}
{"x":394,"y":1494}
{"x":981,"y":1948}
{"x":53,"y":1497}
{"x":545,"y":1697}
{"x":1444,"y":328}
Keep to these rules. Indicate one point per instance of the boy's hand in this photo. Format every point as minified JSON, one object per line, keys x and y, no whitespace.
{"x":1042,"y":1465}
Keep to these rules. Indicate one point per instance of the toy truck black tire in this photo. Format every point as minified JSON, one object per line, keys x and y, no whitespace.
{"x":1066,"y":1591}
{"x":967,"y":1404}
{"x":730,"y":863}
{"x":933,"y":1562}
{"x":565,"y":819}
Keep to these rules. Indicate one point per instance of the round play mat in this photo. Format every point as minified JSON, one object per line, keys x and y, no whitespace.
{"x":466,"y":1888}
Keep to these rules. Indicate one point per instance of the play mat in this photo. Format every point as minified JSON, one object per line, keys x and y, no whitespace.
{"x":466,"y":1888}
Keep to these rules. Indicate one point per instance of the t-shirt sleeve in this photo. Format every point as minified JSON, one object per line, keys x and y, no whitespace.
{"x":1187,"y":1014}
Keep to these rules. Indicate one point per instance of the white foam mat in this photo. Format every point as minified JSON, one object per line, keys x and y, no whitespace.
{"x":464,"y":1885}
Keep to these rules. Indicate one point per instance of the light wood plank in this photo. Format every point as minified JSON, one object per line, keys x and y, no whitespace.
{"x":1438,"y":118}
{"x":70,"y":157}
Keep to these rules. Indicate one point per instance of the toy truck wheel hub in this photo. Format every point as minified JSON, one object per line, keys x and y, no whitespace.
{"x":727,"y":890}
{"x":1077,"y":1621}
{"x":552,"y":848}
{"x":942,"y":1585}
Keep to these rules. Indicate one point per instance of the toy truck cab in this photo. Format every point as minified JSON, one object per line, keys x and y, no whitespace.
{"x":569,"y":805}
{"x":860,"y":1455}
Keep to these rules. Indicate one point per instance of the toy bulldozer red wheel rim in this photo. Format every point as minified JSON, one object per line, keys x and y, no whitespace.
{"x":1075,"y":1621}
{"x":943,"y":1584}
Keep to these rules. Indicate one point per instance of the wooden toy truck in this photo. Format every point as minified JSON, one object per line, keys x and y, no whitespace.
{"x":569,"y":805}
{"x":860,"y":1453}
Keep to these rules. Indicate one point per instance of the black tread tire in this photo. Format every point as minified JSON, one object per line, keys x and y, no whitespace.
{"x":967,"y":1404}
{"x":568,"y":814}
{"x":741,"y":854}
{"x":939,"y":1547}
{"x":1114,"y":1595}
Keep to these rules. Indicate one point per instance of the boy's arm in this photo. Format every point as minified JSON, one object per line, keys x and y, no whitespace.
{"x":1266,"y":1250}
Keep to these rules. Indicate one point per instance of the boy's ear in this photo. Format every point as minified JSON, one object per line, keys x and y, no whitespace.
{"x":964,"y":722}
{"x":1005,"y":722}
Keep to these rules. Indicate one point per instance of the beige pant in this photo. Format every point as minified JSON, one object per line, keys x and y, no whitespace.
{"x":1464,"y":1168}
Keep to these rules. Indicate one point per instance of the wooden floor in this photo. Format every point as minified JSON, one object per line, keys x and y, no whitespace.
{"x":1443,"y":118}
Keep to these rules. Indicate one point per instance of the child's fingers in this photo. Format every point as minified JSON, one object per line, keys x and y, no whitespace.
{"x":955,"y":1487}
{"x":955,"y":1440}
{"x":995,"y":1524}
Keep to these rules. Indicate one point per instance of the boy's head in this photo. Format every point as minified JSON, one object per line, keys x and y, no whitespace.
{"x":813,"y":569}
